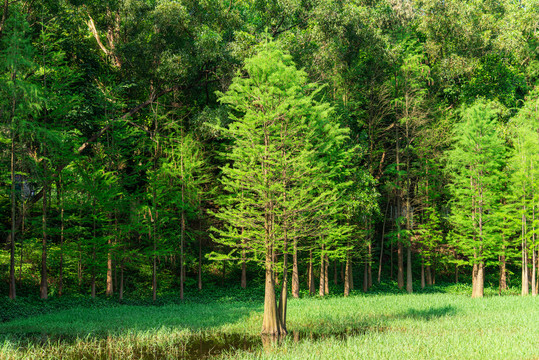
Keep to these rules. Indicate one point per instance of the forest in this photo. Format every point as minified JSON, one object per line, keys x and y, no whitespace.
{"x":304,"y":147}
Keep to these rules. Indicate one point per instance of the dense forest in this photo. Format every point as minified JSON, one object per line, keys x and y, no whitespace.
{"x":152,"y":146}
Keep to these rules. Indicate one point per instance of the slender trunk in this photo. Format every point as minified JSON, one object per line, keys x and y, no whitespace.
{"x":503,"y":272}
{"x":109,"y":270}
{"x":409,"y":285}
{"x":351,"y":275}
{"x":121,"y":281}
{"x":365,"y":277}
{"x":154,"y":264}
{"x":400,"y":261}
{"x":61,"y":275}
{"x":295,"y":274}
{"x":12,"y":288}
{"x":369,"y":267}
{"x":525,"y":283}
{"x":382,"y":244}
{"x":311,"y":273}
{"x":223,"y":275}
{"x":93,"y":250}
{"x":428,"y":273}
{"x":243,"y":267}
{"x":43,"y":287}
{"x":347,"y":275}
{"x":283,"y":300}
{"x":326,"y":276}
{"x":322,"y":286}
{"x":534,"y":258}
{"x":182,"y":237}
{"x":422,"y":273}
{"x":200,"y":264}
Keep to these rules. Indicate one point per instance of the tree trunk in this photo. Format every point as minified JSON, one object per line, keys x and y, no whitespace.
{"x":12,"y":288}
{"x":271,"y":324}
{"x":525,"y":283}
{"x":200,"y":264}
{"x":154,"y":264}
{"x":409,"y":285}
{"x":109,"y":270}
{"x":322,"y":286}
{"x":326,"y":276}
{"x":121,"y":281}
{"x":347,"y":276}
{"x":61,"y":275}
{"x":295,"y":274}
{"x":365,"y":277}
{"x":335,"y":277}
{"x":311,"y":273}
{"x":283,"y":300}
{"x":428,"y":275}
{"x":351,"y":275}
{"x":93,"y":250}
{"x":43,"y":286}
{"x":503,"y":273}
{"x":382,"y":244}
{"x":422,"y":273}
{"x":478,"y":280}
{"x":400,"y":260}
{"x":243,"y":271}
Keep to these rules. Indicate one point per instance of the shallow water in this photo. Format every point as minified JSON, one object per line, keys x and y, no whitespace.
{"x":203,"y":346}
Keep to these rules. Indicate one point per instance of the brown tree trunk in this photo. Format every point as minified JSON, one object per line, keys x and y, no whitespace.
{"x":351,"y":275}
{"x":93,"y":250}
{"x":422,"y":273}
{"x":200,"y":264}
{"x":271,"y":324}
{"x":43,"y":286}
{"x":400,"y":261}
{"x":110,"y":290}
{"x":243,"y":272}
{"x":347,"y":276}
{"x":12,"y":287}
{"x":323,"y":279}
{"x":382,"y":244}
{"x":295,"y":274}
{"x":61,"y":275}
{"x":525,"y":283}
{"x":121,"y":281}
{"x":326,"y":276}
{"x":283,"y":299}
{"x":409,"y":285}
{"x":503,"y":273}
{"x":311,"y":273}
{"x":428,"y":275}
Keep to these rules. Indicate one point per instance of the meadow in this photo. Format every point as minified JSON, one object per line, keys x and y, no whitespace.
{"x":431,"y":325}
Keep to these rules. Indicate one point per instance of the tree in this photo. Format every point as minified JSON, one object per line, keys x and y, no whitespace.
{"x":276,"y":181}
{"x":475,"y":163}
{"x":20,"y":101}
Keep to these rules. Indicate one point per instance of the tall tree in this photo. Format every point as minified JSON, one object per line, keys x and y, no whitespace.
{"x":475,"y":163}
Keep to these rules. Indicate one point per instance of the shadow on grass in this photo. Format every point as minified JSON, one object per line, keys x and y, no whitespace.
{"x":429,"y":314}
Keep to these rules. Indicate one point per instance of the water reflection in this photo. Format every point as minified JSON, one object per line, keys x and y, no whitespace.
{"x":200,"y":346}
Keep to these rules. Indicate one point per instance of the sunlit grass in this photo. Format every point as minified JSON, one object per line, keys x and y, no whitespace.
{"x":418,"y":326}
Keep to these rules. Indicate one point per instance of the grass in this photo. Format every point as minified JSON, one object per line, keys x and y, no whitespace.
{"x":433,"y":325}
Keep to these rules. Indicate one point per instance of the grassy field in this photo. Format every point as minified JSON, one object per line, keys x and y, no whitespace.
{"x":375,"y":326}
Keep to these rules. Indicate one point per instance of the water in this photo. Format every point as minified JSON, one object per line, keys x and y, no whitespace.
{"x":201,"y":346}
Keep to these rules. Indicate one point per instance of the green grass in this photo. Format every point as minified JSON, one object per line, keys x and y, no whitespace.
{"x":418,"y":326}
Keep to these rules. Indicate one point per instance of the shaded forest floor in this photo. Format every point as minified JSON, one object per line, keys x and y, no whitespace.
{"x":440,"y":323}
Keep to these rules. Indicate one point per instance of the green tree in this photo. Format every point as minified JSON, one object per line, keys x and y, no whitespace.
{"x":277,"y":180}
{"x":475,"y":162}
